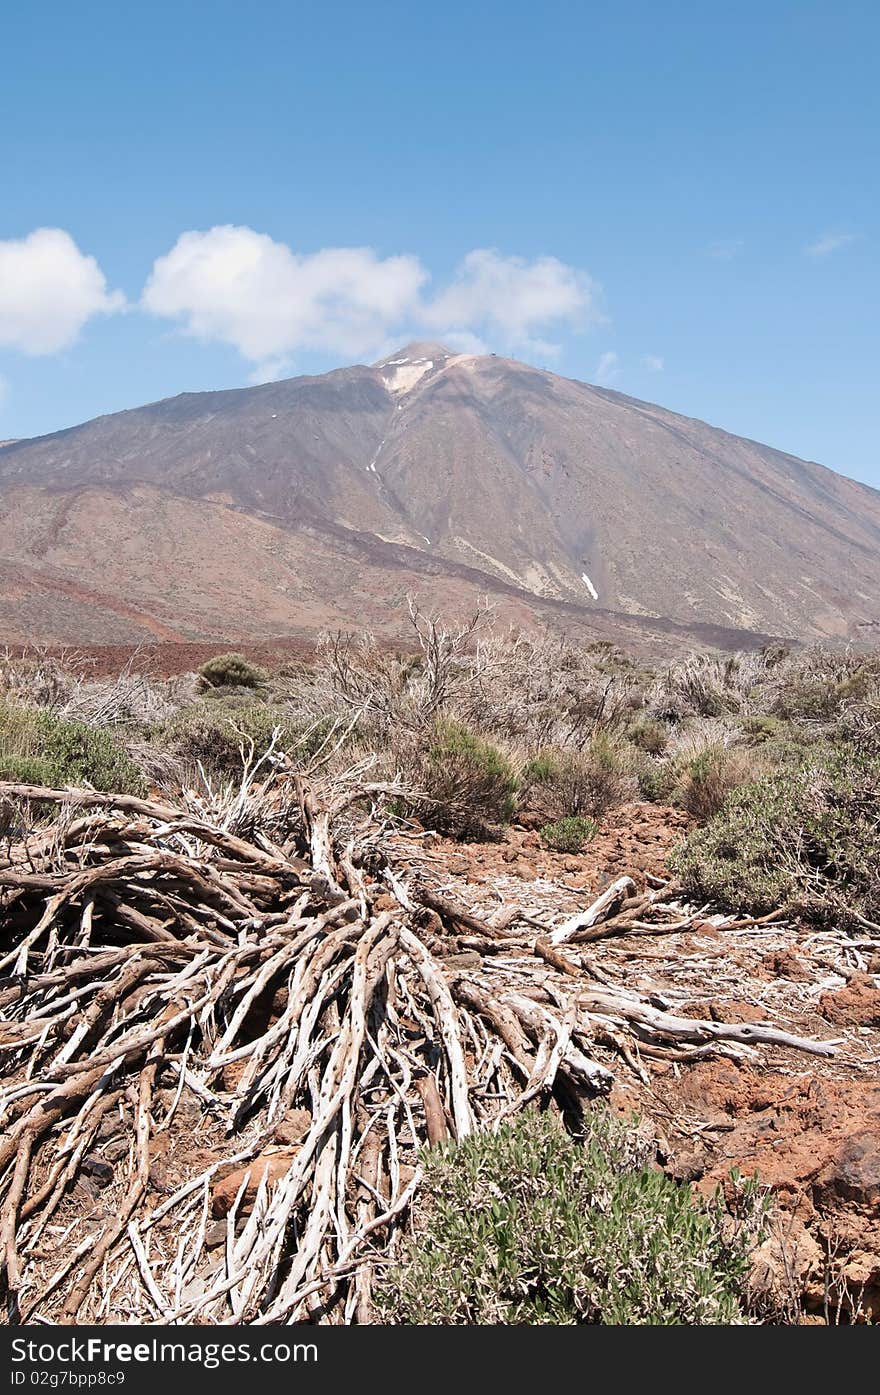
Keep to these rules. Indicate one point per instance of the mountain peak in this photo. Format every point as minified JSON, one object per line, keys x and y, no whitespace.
{"x":320,"y":501}
{"x":417,"y":351}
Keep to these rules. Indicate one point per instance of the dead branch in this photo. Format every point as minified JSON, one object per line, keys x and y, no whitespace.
{"x":218,"y":985}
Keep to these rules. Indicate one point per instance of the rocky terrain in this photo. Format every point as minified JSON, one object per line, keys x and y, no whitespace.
{"x":809,"y":1127}
{"x":739,"y":1044}
{"x":268,"y":938}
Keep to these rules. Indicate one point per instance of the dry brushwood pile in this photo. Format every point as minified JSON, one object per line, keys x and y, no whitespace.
{"x":226,"y":1033}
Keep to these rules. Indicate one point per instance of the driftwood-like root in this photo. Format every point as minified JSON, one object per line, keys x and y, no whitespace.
{"x":233,"y":969}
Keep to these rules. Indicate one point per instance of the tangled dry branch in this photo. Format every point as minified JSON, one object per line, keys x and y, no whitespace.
{"x":225,"y":1035}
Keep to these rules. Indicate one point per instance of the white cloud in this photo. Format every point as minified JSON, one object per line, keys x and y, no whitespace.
{"x":465,"y":341}
{"x":726,"y":250}
{"x":270,"y":370}
{"x":511,"y":300}
{"x":653,"y":363}
{"x":828,"y":243}
{"x":607,"y":369}
{"x":48,"y":290}
{"x":235,"y":286}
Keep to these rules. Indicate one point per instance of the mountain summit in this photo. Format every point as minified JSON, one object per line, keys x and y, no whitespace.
{"x":322,"y":500}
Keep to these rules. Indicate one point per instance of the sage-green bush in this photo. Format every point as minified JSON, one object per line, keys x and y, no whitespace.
{"x":568,"y":835}
{"x":230,"y":671}
{"x":805,"y":839}
{"x":213,"y":734}
{"x":470,"y":786}
{"x":532,"y":1226}
{"x":37,"y":747}
{"x":585,"y":783}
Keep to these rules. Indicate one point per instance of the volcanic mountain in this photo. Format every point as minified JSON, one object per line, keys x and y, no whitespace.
{"x":323,"y":501}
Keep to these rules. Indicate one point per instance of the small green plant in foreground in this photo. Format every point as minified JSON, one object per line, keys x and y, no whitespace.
{"x":532,"y":1226}
{"x":569,"y":835}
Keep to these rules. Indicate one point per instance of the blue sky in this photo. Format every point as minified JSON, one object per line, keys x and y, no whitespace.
{"x":677,"y":199}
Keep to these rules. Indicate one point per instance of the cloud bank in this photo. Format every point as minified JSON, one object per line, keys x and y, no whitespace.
{"x":241,"y":288}
{"x":513,"y":300}
{"x":49,"y":289}
{"x":235,"y":286}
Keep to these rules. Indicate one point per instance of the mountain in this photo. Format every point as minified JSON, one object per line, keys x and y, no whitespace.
{"x":323,"y":501}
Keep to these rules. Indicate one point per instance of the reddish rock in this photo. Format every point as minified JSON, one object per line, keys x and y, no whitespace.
{"x":784,"y":963}
{"x":293,"y":1127}
{"x":734,"y":1010}
{"x":385,"y":902}
{"x":272,"y":1165}
{"x":854,"y":1173}
{"x":856,"y":1005}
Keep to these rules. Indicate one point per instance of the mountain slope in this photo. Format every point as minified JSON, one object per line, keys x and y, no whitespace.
{"x":231,"y":513}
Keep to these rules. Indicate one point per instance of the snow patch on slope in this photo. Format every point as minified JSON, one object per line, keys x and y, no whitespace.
{"x":405,"y":373}
{"x":589,"y":585}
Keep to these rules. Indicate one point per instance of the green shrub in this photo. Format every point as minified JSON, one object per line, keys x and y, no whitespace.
{"x":708,"y":779}
{"x":568,"y":835}
{"x":821,"y":684}
{"x":38,"y":747}
{"x":530,"y":1226}
{"x":230,"y":671}
{"x":584,"y":783}
{"x":77,"y":753}
{"x":700,"y":783}
{"x":807,"y":840}
{"x":471,"y":786}
{"x":542,"y":767}
{"x":764,"y":728}
{"x":25,"y":770}
{"x":213,"y":733}
{"x":658,"y":781}
{"x":649,"y":735}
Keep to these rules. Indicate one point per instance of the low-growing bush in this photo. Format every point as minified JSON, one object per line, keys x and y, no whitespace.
{"x":764,"y":728}
{"x":805,"y":839}
{"x":25,"y":770}
{"x":700,"y":777}
{"x":214,"y":734}
{"x":230,"y":671}
{"x":531,"y":1226}
{"x":541,"y":768}
{"x":470,"y":786}
{"x":709,"y":685}
{"x":709,"y":778}
{"x":584,"y":783}
{"x":649,"y":735}
{"x":820,"y":684}
{"x":658,"y":781}
{"x":38,"y":747}
{"x":568,"y":835}
{"x":36,"y":679}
